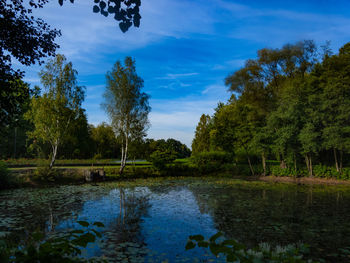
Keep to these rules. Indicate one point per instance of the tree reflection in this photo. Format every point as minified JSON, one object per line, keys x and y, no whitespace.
{"x":123,"y":238}
{"x":279,"y":216}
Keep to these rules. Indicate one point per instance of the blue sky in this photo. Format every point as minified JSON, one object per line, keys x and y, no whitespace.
{"x":185,"y":48}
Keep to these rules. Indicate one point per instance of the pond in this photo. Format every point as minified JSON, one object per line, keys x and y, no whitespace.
{"x":150,"y":220}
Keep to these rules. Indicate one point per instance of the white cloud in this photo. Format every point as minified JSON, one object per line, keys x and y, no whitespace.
{"x":179,"y":75}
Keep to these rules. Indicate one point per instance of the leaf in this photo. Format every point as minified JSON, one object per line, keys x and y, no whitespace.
{"x":60,"y":2}
{"x":102,"y":5}
{"x":215,"y":249}
{"x":197,"y":238}
{"x":96,"y":9}
{"x":99,"y":224}
{"x":111,"y":10}
{"x":215,"y":237}
{"x":190,"y":245}
{"x":203,"y":244}
{"x":98,"y":234}
{"x":231,"y":257}
{"x":77,"y":232}
{"x":83,"y":223}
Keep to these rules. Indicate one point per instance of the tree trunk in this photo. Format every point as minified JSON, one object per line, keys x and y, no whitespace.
{"x":283,"y":164}
{"x":263,"y":158}
{"x":341,"y":161}
{"x":311,"y":170}
{"x":250,"y":166}
{"x":54,"y":153}
{"x":307,"y":163}
{"x":124,"y":155}
{"x":336,"y":159}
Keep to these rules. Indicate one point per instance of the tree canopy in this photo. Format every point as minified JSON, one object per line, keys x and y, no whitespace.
{"x":290,"y":103}
{"x":54,"y":111}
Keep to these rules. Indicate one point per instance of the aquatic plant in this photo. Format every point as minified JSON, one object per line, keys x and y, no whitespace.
{"x":63,"y":247}
{"x":238,"y":252}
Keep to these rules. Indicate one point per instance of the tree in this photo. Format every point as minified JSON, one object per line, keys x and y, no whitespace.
{"x":78,"y":143}
{"x":126,"y":105}
{"x":53,"y":112}
{"x":13,"y":127}
{"x":201,"y":141}
{"x":105,"y":141}
{"x":335,"y":82}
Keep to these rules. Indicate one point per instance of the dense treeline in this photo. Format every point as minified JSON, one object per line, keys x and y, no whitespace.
{"x":290,"y":104}
{"x":83,"y":141}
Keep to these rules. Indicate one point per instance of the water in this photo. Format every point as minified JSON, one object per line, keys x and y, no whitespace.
{"x":150,"y":220}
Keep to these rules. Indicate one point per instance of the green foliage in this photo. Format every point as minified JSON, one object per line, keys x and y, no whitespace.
{"x":105,"y":142}
{"x":209,"y":162}
{"x":44,"y":173}
{"x":5,"y":179}
{"x":287,"y":103}
{"x":237,"y":252}
{"x":160,"y":159}
{"x":276,"y":170}
{"x":201,"y":141}
{"x":62,"y":247}
{"x":52,"y":113}
{"x":126,"y":105}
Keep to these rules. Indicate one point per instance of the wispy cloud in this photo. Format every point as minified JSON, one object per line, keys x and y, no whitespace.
{"x":177,"y":76}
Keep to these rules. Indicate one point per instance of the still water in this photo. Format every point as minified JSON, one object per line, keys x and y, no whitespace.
{"x":150,"y":220}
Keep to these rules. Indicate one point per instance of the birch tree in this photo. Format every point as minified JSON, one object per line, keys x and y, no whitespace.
{"x":126,"y":105}
{"x":54,"y":111}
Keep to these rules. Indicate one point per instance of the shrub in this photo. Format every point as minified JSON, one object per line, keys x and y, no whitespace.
{"x":209,"y":162}
{"x":276,"y":170}
{"x":160,"y":159}
{"x":43,"y":173}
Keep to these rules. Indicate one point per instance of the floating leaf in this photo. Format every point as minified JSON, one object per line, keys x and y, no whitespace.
{"x":99,"y":224}
{"x":215,"y":237}
{"x":197,"y":238}
{"x":83,"y":223}
{"x":190,"y":245}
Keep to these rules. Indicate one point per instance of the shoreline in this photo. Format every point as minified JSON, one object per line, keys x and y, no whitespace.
{"x":303,"y":180}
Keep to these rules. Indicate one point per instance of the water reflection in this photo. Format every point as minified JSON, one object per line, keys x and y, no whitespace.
{"x":152,"y":223}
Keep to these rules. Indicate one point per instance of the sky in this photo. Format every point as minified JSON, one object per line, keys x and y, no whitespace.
{"x":184,"y":49}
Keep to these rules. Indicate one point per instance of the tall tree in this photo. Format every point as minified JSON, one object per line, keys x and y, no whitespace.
{"x":53,"y":112}
{"x":126,"y":105}
{"x":201,"y":141}
{"x":334,"y":78}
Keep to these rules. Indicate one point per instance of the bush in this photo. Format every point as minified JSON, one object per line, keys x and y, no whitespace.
{"x":276,"y":170}
{"x":178,"y":169}
{"x":209,"y":162}
{"x":160,"y":159}
{"x":43,"y":173}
